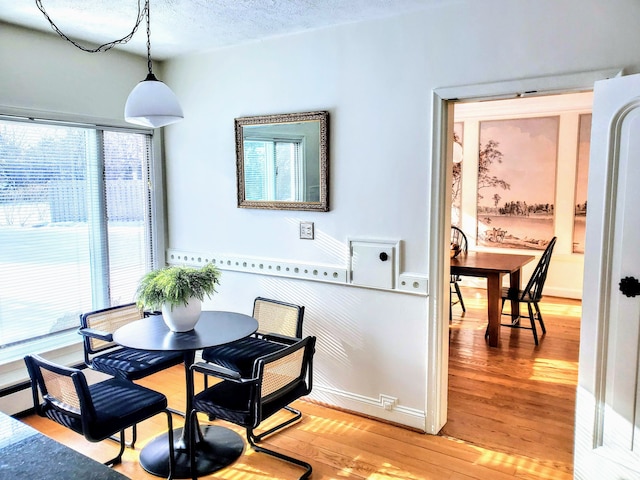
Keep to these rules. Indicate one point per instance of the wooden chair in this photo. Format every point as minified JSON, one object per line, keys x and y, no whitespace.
{"x":277,"y":380}
{"x":96,"y":411}
{"x":531,"y":294}
{"x":457,"y":238}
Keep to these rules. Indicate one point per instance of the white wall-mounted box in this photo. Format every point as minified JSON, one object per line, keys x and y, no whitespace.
{"x":374,"y":263}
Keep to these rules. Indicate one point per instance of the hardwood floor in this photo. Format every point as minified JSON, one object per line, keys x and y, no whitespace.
{"x":510,"y":416}
{"x":518,"y":398}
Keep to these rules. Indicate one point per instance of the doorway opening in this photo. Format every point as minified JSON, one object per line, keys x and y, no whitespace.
{"x":519,"y":178}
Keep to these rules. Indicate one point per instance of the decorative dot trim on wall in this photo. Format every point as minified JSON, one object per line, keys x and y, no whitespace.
{"x":407,"y":282}
{"x":261,"y":266}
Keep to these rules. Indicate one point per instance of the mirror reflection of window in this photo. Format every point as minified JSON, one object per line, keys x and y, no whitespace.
{"x":274,"y":169}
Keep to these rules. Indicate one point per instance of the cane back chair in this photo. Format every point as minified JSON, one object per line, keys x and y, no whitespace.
{"x":97,"y":411}
{"x":277,"y":380}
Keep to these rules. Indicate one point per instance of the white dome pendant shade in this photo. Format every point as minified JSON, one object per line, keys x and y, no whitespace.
{"x":151,"y":103}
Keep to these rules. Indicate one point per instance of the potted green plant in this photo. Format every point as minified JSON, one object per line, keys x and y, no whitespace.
{"x":178,"y":291}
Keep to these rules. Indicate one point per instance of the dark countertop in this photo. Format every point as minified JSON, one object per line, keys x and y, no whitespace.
{"x":27,"y":454}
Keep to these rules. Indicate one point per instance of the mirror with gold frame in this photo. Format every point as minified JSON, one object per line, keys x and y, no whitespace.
{"x":282,"y":161}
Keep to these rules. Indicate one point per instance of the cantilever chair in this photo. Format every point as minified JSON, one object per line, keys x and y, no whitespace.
{"x":531,"y":294}
{"x":101,"y":353}
{"x":277,"y":379}
{"x":279,"y":325}
{"x":95,"y":411}
{"x":460,"y":239}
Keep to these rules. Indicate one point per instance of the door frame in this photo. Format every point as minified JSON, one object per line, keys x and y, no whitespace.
{"x":442,"y":100}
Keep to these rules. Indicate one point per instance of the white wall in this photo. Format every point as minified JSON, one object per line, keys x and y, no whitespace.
{"x":42,"y":72}
{"x":376,"y":79}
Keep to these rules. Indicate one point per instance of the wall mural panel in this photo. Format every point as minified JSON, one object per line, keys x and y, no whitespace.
{"x":516,"y":182}
{"x":582,"y":172}
{"x":456,"y":187}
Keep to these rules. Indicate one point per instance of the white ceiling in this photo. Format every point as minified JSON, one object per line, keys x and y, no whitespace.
{"x":181,"y":27}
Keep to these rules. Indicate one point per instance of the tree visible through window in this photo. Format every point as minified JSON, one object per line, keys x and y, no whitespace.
{"x":74,"y":224}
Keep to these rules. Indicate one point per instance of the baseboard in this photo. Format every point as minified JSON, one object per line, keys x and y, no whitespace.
{"x":384,"y":407}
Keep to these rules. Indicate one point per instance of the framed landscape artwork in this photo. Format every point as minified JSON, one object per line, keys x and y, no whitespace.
{"x":516,"y":182}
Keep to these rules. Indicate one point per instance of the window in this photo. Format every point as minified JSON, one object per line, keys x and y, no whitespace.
{"x":274,"y":169}
{"x":75,"y":224}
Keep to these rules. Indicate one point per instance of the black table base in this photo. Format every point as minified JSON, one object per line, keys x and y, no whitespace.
{"x":220,"y":448}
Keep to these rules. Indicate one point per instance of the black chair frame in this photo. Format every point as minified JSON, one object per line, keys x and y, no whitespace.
{"x":102,"y":354}
{"x":261,"y":343}
{"x":128,"y":363}
{"x":90,"y":410}
{"x":272,"y":335}
{"x":250,"y":407}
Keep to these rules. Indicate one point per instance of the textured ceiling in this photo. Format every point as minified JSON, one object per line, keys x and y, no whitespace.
{"x":187,"y":26}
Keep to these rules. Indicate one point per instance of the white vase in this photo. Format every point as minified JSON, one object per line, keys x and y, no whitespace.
{"x":182,"y":318}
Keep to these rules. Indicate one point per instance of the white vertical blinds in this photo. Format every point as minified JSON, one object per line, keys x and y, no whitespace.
{"x":75,"y":231}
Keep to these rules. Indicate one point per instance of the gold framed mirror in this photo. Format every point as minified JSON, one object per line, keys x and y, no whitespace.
{"x":282,"y":161}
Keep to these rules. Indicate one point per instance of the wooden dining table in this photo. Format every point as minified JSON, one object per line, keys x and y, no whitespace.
{"x":493,"y":266}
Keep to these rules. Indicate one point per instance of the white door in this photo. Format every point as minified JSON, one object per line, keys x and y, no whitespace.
{"x":607,"y":434}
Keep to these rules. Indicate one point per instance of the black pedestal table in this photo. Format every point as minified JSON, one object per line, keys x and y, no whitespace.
{"x":216,"y":447}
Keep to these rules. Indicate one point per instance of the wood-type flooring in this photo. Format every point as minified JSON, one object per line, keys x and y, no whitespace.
{"x":510,"y":416}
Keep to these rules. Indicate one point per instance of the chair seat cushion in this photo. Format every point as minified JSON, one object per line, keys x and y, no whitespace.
{"x":231,"y":401}
{"x":118,"y":403}
{"x":240,"y":355}
{"x":133,"y":364}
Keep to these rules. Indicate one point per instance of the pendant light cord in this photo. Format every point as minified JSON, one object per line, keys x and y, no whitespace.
{"x":107,"y":46}
{"x":150,"y":76}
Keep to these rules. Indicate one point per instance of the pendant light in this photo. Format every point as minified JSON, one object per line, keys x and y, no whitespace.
{"x":151,"y":103}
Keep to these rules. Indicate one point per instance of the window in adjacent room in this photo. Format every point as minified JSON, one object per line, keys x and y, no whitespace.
{"x":75,"y":224}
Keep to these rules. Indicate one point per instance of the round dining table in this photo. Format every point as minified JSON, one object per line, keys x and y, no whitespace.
{"x":216,"y":447}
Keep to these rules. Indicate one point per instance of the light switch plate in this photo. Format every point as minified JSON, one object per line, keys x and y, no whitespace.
{"x":306,"y":230}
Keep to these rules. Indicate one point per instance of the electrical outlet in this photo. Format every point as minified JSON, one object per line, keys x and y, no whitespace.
{"x":306,"y":230}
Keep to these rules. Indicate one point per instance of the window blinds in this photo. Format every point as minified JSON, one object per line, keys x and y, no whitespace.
{"x":74,"y":224}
